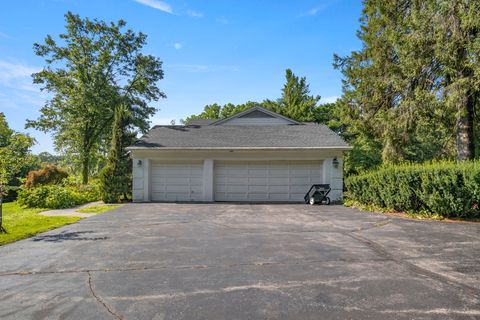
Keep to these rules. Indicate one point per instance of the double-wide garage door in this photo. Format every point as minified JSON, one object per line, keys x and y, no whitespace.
{"x":265,"y":180}
{"x":177,"y":181}
{"x":235,"y":180}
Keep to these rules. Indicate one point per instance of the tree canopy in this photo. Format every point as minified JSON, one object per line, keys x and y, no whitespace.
{"x":93,"y":67}
{"x":411,"y":92}
{"x":15,"y":159}
{"x":296,"y":102}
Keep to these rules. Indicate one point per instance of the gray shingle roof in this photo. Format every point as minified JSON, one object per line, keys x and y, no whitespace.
{"x":273,"y":136}
{"x":201,"y":122}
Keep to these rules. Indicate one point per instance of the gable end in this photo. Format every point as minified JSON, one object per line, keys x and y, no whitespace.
{"x":255,"y":116}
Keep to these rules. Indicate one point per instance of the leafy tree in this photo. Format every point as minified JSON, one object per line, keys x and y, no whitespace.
{"x":413,"y":87}
{"x":115,"y":176}
{"x":48,"y":158}
{"x":295,"y":102}
{"x":92,"y":68}
{"x":15,"y":158}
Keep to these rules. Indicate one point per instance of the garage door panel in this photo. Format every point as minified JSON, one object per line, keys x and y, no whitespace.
{"x":278,"y":172}
{"x":258,"y":172}
{"x":265,"y":180}
{"x":257,"y":189}
{"x":297,"y":196}
{"x":257,"y":181}
{"x":296,"y":181}
{"x":177,"y":181}
{"x":278,"y":189}
{"x":278,"y":181}
{"x":298,"y":189}
{"x":237,"y":197}
{"x":242,"y":180}
{"x":237,"y":188}
{"x":279,"y":197}
{"x":258,"y":197}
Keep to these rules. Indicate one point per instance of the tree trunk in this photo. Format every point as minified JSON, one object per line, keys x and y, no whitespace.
{"x":465,"y":143}
{"x":85,"y":167}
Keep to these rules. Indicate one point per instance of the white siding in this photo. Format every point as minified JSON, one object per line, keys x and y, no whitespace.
{"x":336,"y":179}
{"x":265,"y":180}
{"x":177,"y":181}
{"x":137,"y":183}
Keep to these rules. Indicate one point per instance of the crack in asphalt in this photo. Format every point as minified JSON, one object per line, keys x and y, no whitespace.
{"x":100,"y":300}
{"x":186,"y":267}
{"x":381,"y":251}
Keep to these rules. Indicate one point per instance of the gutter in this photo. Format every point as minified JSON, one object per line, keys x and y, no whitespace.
{"x":239,"y":148}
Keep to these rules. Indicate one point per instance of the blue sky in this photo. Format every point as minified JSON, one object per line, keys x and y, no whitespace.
{"x":213,"y":50}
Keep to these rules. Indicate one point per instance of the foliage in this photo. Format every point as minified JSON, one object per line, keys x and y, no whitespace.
{"x":66,"y":195}
{"x":15,"y":156}
{"x":413,"y":88}
{"x":23,"y":223}
{"x":49,"y":174}
{"x":448,"y":189}
{"x":115,"y":177}
{"x":48,"y":158}
{"x":15,"y":159}
{"x":295,"y":103}
{"x":98,"y":209}
{"x":92,"y":68}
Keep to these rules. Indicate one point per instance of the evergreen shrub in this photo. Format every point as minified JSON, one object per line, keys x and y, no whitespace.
{"x":448,"y":189}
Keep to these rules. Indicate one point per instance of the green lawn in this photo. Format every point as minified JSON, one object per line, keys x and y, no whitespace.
{"x":99,"y":209}
{"x":22,"y":223}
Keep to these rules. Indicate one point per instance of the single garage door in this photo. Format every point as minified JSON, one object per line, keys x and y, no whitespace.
{"x":265,"y":180}
{"x":177,"y":181}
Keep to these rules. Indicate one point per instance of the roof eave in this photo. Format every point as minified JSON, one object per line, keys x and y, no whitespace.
{"x":345,"y":148}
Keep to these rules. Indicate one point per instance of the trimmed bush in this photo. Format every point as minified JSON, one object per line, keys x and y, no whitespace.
{"x":49,"y":174}
{"x":448,"y":189}
{"x":58,"y":196}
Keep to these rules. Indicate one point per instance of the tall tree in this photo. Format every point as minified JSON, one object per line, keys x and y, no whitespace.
{"x":115,"y":176}
{"x":296,"y":101}
{"x":94,"y":67}
{"x":15,"y":156}
{"x":414,"y":84}
{"x":457,"y":50}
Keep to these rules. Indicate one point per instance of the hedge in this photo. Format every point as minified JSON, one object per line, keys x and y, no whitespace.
{"x":58,"y":196}
{"x":448,"y":189}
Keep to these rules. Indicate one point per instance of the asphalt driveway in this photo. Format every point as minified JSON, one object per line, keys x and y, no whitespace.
{"x":230,"y":261}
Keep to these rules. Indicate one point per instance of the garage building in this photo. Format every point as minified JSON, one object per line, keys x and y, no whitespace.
{"x":254,"y":156}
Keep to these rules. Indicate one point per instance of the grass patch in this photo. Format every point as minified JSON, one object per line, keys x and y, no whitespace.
{"x":98,"y":209}
{"x":22,"y":222}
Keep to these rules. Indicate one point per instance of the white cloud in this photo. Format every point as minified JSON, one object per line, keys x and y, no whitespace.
{"x":18,"y":91}
{"x":156,"y":4}
{"x":177,"y":45}
{"x":313,"y":11}
{"x":195,"y":14}
{"x":17,"y":76}
{"x":4,"y":35}
{"x":330,"y":99}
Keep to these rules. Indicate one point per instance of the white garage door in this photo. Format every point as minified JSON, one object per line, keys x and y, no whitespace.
{"x":177,"y":181}
{"x":265,"y":181}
